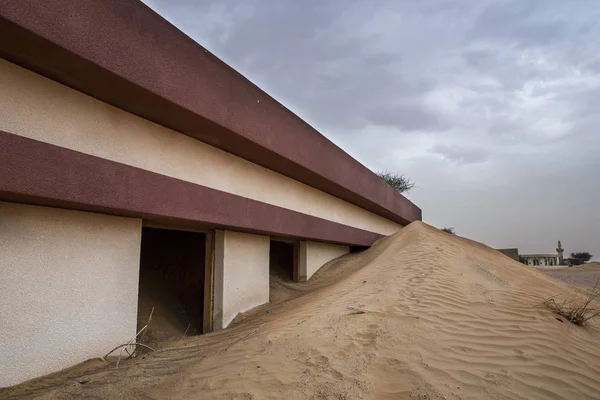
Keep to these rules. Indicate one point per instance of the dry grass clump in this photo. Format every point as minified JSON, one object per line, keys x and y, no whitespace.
{"x":133,"y":344}
{"x":577,"y":312}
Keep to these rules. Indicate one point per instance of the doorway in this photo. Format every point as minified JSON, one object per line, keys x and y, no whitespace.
{"x":172,"y":283}
{"x":283,"y":269}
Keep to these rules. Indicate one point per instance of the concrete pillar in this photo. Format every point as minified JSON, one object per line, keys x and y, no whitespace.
{"x":241,"y":275}
{"x":313,"y":255}
{"x":209,"y":282}
{"x":68,"y":287}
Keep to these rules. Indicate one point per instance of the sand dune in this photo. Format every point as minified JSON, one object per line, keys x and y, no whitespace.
{"x":448,"y":318}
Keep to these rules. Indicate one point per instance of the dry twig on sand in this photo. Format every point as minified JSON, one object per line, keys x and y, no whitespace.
{"x":133,"y":343}
{"x":574,"y":311}
{"x":357,"y":310}
{"x":124,"y":345}
{"x":186,"y":330}
{"x":145,"y":326}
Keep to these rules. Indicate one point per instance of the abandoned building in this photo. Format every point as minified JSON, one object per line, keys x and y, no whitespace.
{"x":128,"y":151}
{"x":549,"y":260}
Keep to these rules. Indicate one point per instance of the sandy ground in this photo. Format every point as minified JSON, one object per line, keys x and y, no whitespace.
{"x":586,"y":275}
{"x":447,"y":318}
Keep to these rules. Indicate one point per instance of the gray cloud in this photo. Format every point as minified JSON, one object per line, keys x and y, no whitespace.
{"x":461,"y":154}
{"x":525,"y":22}
{"x":408,"y":117}
{"x":490,"y":106}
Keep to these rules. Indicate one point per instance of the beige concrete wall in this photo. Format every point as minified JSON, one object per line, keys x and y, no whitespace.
{"x":68,"y":288}
{"x":241,"y":275}
{"x":313,"y":255}
{"x":39,"y":108}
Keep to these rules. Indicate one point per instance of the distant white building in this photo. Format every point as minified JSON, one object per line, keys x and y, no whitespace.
{"x":540,"y":260}
{"x":544,"y":260}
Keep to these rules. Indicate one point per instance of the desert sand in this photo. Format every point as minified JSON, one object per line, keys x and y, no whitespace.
{"x":582,"y":276}
{"x":447,"y":318}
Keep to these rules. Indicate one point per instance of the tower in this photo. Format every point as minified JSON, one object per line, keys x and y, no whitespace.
{"x":560,"y":250}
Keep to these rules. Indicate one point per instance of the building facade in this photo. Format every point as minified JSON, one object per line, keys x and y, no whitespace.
{"x":128,"y":151}
{"x":540,"y":260}
{"x":544,"y":260}
{"x":537,"y":260}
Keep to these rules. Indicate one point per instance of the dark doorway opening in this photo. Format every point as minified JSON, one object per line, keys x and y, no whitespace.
{"x":281,"y":260}
{"x":282,"y":269}
{"x":358,"y":249}
{"x":172,"y":274}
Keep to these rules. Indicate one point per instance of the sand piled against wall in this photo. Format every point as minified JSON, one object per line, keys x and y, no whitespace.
{"x":447,"y":318}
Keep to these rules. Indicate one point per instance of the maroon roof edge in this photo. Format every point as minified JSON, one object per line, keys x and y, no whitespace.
{"x":125,"y":54}
{"x":39,"y":173}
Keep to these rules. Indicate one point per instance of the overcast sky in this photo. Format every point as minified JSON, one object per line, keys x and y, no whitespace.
{"x":491,"y":107}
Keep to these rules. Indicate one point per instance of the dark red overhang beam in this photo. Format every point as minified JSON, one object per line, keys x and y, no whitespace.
{"x":39,"y":173}
{"x":125,"y":54}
